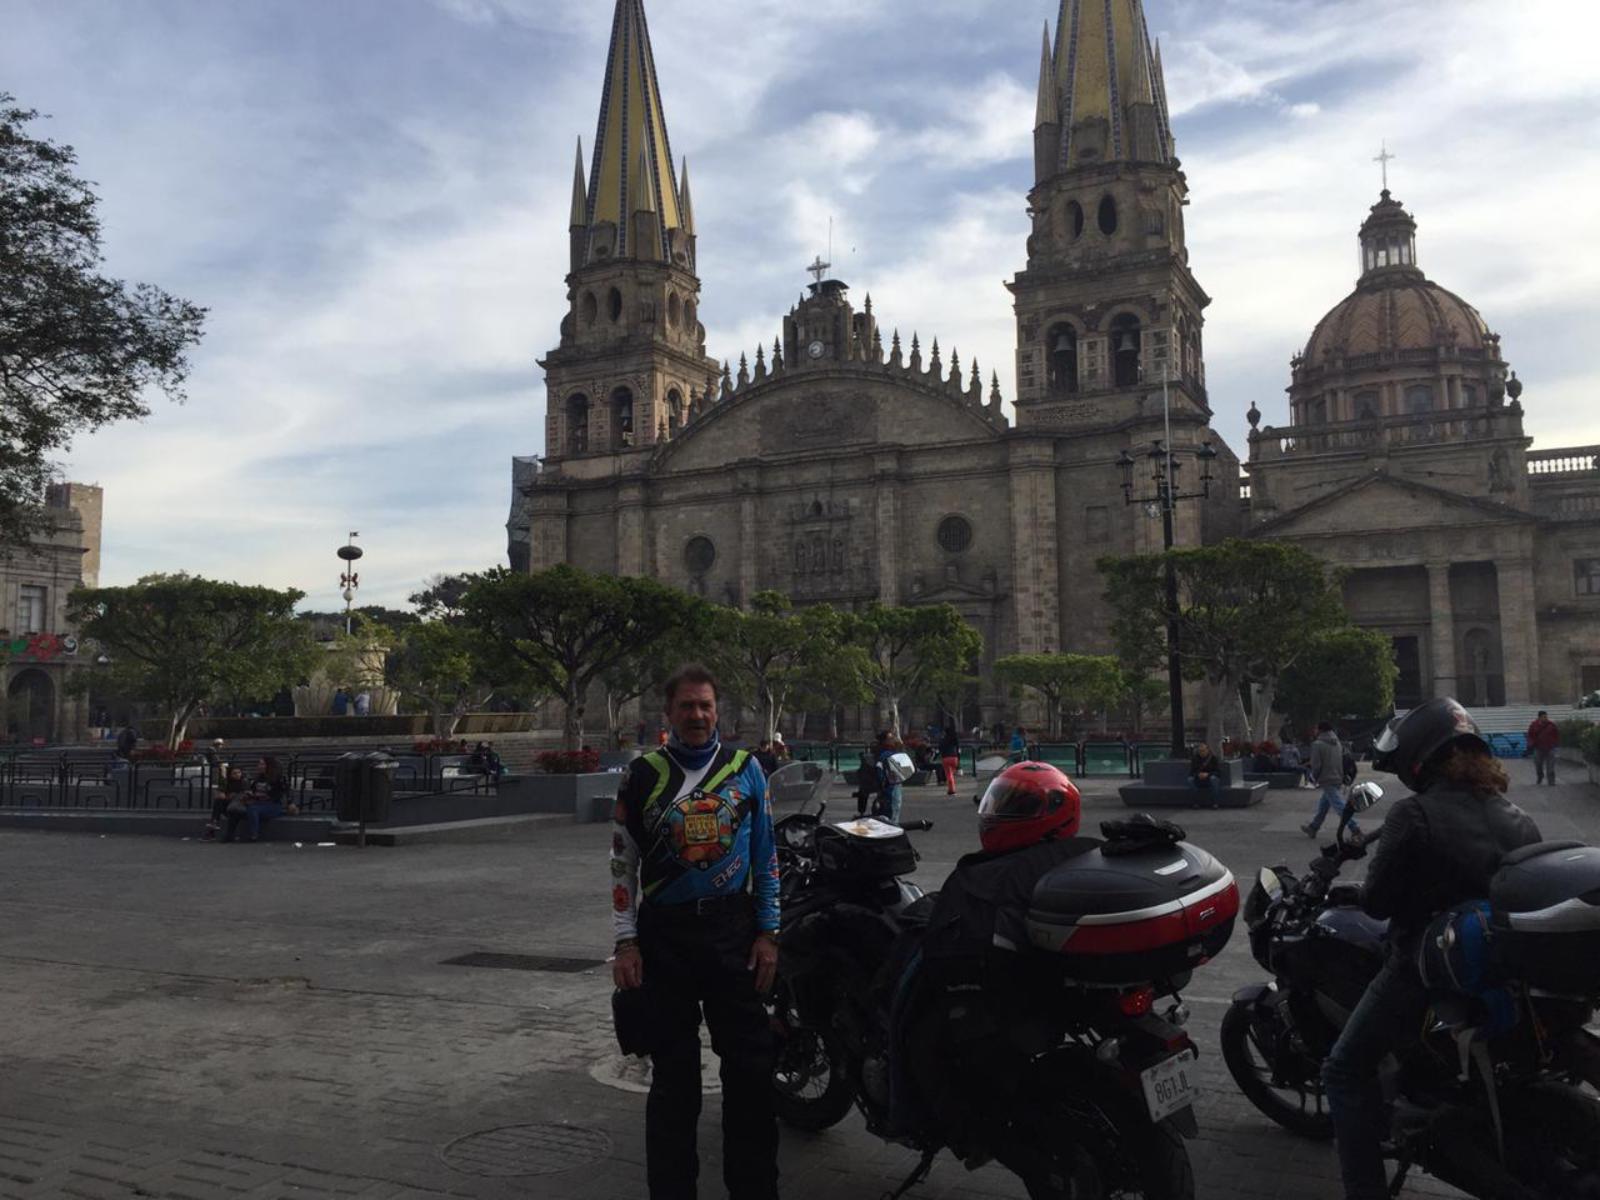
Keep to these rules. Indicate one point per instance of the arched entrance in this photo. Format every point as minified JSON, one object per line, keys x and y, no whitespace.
{"x":31,"y":706}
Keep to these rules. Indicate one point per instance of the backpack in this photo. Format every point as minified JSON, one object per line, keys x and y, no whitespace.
{"x":1457,"y":955}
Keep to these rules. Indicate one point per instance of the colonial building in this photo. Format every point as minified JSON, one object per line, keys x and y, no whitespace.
{"x":38,"y":647}
{"x":855,"y":462}
{"x":1405,"y":461}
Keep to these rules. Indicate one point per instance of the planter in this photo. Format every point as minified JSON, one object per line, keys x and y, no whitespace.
{"x":589,"y":798}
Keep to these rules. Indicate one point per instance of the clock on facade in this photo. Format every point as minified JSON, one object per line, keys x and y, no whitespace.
{"x":816,"y":349}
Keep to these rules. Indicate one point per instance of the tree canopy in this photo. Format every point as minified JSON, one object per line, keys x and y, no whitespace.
{"x":914,"y":652}
{"x":78,"y":349}
{"x":1067,"y":683}
{"x":1247,"y":610}
{"x":771,"y":651}
{"x":180,"y":641}
{"x":1347,"y":672}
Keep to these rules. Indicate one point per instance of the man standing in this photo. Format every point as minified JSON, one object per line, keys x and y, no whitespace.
{"x":694,"y":875}
{"x":1544,"y":735}
{"x":1327,"y":772}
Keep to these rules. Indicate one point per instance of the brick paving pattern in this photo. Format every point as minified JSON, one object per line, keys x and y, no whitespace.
{"x":199,"y":1022}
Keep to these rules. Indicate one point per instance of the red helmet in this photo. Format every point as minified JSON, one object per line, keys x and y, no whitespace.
{"x":1027,"y":803}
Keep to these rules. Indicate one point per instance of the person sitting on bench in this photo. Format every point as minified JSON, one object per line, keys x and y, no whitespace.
{"x":1205,"y":770}
{"x":267,"y":799}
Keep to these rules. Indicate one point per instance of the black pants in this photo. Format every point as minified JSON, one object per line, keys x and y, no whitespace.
{"x":692,"y":961}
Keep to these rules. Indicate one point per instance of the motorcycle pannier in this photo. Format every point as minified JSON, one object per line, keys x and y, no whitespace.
{"x":1134,"y":918}
{"x":865,"y":850}
{"x":1546,"y":917}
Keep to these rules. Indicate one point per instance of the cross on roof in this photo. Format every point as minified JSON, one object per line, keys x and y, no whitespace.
{"x":819,"y":268}
{"x":1384,"y":159}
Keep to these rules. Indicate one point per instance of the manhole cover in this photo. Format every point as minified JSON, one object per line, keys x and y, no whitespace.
{"x":526,"y":1150}
{"x":523,"y":962}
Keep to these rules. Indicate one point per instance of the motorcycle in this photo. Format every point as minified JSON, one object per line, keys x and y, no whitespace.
{"x":1101,"y":1098}
{"x":1490,"y":1098}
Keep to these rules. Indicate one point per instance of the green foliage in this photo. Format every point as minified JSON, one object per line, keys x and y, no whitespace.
{"x":1067,"y":683}
{"x":564,"y":628}
{"x":78,"y":350}
{"x":436,"y":666}
{"x":834,"y":675}
{"x":180,"y":641}
{"x":1583,"y":736}
{"x":1347,"y":672}
{"x":777,"y":655}
{"x":914,"y":652}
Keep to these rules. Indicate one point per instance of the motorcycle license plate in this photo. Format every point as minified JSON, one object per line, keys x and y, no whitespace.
{"x":1171,"y":1085}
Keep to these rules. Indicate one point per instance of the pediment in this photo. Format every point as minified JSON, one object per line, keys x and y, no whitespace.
{"x":1383,"y":502}
{"x":823,"y":414}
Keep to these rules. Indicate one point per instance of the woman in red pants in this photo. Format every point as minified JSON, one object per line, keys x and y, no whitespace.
{"x":950,"y":756}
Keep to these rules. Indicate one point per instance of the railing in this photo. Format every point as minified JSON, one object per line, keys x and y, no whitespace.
{"x":1568,"y":460}
{"x":1411,"y":429}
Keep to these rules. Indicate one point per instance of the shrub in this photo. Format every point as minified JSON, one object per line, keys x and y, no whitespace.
{"x":569,"y":762}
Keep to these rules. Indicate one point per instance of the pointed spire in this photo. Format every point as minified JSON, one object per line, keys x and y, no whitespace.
{"x":895,"y":357}
{"x":1048,"y":111}
{"x":761,"y":363}
{"x":631,"y":140}
{"x":916,"y":353}
{"x":727,"y":380}
{"x":744,"y":370}
{"x":777,"y":354}
{"x":685,"y":205}
{"x":580,"y":194}
{"x":877,"y":344}
{"x":869,"y":304}
{"x":994,"y":391}
{"x":955,"y":366}
{"x":935,"y":367}
{"x":1107,"y":79}
{"x":975,"y":387}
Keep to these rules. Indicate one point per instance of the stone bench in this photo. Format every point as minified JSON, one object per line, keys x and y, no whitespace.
{"x":1166,"y":785}
{"x":1276,"y":780}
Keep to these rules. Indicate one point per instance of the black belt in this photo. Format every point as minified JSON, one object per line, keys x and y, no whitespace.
{"x":705,"y":906}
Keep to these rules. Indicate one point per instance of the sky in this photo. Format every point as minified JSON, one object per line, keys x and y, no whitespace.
{"x":371,"y":197}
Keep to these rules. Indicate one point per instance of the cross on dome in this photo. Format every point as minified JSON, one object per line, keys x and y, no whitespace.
{"x":819,"y":269}
{"x":1383,"y":160}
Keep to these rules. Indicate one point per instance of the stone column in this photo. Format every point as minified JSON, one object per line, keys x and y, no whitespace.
{"x":1442,"y":632}
{"x":1035,"y":550}
{"x":1519,"y":630}
{"x":631,"y":561}
{"x":887,"y":526}
{"x":547,"y":528}
{"x":749,"y":534}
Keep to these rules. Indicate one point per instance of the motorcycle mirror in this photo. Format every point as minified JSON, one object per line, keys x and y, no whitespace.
{"x":1270,"y":884}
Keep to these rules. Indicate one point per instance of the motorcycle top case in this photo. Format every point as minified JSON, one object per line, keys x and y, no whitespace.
{"x":1545,"y":917}
{"x":1134,"y":918}
{"x":865,"y":850}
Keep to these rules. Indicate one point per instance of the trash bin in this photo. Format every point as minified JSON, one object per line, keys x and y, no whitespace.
{"x":347,"y":781}
{"x":377,"y":787}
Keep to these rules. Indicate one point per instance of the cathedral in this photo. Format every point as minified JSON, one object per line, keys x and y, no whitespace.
{"x":846,"y":463}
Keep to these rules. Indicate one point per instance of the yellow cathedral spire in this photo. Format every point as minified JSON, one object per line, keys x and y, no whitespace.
{"x":1111,"y":104}
{"x":632,"y":168}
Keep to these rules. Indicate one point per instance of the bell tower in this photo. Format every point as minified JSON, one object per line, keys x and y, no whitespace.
{"x":1106,"y":307}
{"x":632,"y":355}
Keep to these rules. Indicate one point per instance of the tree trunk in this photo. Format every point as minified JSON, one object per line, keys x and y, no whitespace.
{"x":894,"y":714}
{"x":572,"y":723}
{"x":1214,"y":695}
{"x":1265,"y":696}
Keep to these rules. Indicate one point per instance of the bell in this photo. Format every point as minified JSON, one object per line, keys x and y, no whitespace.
{"x":1065,"y":344}
{"x":1126,"y":342}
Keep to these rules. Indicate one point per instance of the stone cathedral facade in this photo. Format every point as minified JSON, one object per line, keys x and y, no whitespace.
{"x":848,"y":463}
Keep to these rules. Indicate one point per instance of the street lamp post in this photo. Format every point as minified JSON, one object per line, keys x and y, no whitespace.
{"x":1164,"y":471}
{"x":348,"y":579}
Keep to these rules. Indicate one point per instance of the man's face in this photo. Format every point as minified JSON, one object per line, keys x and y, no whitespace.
{"x":692,"y":713}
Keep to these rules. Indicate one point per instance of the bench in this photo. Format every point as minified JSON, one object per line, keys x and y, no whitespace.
{"x":1276,"y":780}
{"x":1166,"y":785}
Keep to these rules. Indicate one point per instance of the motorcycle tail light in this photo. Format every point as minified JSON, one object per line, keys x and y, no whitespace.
{"x":1137,"y":1002}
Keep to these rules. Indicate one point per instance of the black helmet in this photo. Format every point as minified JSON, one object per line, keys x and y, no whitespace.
{"x":1410,"y":747}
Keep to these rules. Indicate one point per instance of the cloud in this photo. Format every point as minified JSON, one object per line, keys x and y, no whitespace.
{"x":372,"y":199}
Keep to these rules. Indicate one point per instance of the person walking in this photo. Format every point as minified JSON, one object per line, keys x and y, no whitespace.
{"x":1544,"y":736}
{"x":1327,"y":773}
{"x":694,"y":897}
{"x":891,"y":789}
{"x":950,"y":756}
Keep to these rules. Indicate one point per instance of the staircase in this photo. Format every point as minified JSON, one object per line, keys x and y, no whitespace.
{"x":1515,"y":718}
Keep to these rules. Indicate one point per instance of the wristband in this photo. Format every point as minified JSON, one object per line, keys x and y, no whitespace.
{"x":628,"y":943}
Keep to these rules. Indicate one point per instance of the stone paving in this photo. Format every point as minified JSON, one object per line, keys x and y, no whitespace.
{"x":198,"y":1022}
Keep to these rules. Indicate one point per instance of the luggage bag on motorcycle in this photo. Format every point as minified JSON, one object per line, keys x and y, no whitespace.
{"x":865,"y":850}
{"x":1134,"y":918}
{"x":1546,"y":917}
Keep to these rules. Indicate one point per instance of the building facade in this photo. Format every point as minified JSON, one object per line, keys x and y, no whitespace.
{"x":850,"y":463}
{"x":38,"y":646}
{"x":1406,"y":464}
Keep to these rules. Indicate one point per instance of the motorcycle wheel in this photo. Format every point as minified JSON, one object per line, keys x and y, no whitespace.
{"x":1553,"y":1142}
{"x":1157,"y":1154}
{"x":1251,"y":1065}
{"x":811,"y":1088}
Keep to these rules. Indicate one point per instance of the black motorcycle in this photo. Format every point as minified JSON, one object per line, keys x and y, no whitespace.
{"x":1497,"y":1112}
{"x":1102,"y":1099}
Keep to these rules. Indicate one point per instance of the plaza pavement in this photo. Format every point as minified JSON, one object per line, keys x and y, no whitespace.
{"x":198,"y":1022}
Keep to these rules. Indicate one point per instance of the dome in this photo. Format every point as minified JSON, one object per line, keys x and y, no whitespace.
{"x":1396,"y":311}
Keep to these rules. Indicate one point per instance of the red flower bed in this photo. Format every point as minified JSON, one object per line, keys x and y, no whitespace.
{"x":569,"y":762}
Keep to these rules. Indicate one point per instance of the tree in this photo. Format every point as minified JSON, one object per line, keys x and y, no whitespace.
{"x":911,"y":649}
{"x":649,"y":665}
{"x":436,"y":665}
{"x":180,"y":641}
{"x":565,"y":628}
{"x":1066,"y":682}
{"x":835,"y":675}
{"x":1347,"y":672}
{"x":78,"y":350}
{"x":1246,"y":611}
{"x":770,"y":649}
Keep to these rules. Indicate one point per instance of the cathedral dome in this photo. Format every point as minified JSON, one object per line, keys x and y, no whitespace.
{"x":1394,"y":313}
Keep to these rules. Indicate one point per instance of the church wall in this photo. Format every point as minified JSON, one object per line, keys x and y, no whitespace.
{"x":1569,"y":623}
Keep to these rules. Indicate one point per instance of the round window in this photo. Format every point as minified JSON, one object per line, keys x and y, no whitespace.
{"x":955,"y":534}
{"x":699,"y":555}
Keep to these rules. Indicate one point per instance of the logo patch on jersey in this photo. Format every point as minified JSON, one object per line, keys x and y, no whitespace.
{"x":701,"y":829}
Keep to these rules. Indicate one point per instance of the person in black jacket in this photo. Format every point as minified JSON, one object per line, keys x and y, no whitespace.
{"x":950,"y":756}
{"x":1205,"y":770}
{"x":1438,"y":848}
